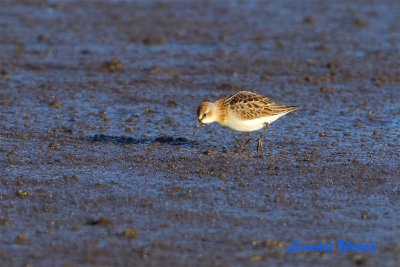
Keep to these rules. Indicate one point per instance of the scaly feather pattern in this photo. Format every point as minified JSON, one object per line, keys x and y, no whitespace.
{"x":247,"y":106}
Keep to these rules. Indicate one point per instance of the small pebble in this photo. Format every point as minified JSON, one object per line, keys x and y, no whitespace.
{"x":21,"y":193}
{"x":131,"y":233}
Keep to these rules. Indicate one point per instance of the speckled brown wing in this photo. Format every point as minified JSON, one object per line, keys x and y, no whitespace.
{"x":248,"y":105}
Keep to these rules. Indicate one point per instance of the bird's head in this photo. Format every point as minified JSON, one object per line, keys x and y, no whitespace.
{"x":206,"y":113}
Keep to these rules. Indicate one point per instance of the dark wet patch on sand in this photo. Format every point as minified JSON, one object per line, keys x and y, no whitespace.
{"x":124,"y":140}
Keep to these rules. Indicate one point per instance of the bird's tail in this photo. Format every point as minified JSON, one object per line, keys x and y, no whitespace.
{"x":293,"y":108}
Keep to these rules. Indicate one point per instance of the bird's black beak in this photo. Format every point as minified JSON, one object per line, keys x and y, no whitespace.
{"x":199,"y":123}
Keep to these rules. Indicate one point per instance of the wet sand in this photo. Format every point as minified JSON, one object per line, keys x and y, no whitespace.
{"x":99,"y":165}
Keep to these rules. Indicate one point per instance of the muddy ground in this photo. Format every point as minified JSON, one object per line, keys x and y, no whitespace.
{"x":99,"y":165}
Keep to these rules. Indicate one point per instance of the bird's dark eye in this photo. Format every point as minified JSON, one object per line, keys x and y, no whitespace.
{"x":204,"y":115}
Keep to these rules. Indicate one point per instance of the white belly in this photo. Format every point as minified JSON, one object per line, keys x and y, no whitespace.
{"x":250,"y":125}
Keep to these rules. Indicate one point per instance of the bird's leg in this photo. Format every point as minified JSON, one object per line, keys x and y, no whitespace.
{"x":260,"y":144}
{"x":248,"y":140}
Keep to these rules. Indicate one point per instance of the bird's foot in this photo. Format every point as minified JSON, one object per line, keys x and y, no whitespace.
{"x":259,"y":145}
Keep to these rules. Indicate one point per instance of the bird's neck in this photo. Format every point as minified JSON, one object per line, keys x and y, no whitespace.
{"x":220,"y":112}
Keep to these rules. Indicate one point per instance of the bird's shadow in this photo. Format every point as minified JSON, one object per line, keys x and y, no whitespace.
{"x":127,"y":140}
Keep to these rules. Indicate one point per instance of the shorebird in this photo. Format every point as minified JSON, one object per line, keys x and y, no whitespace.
{"x":244,"y":112}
